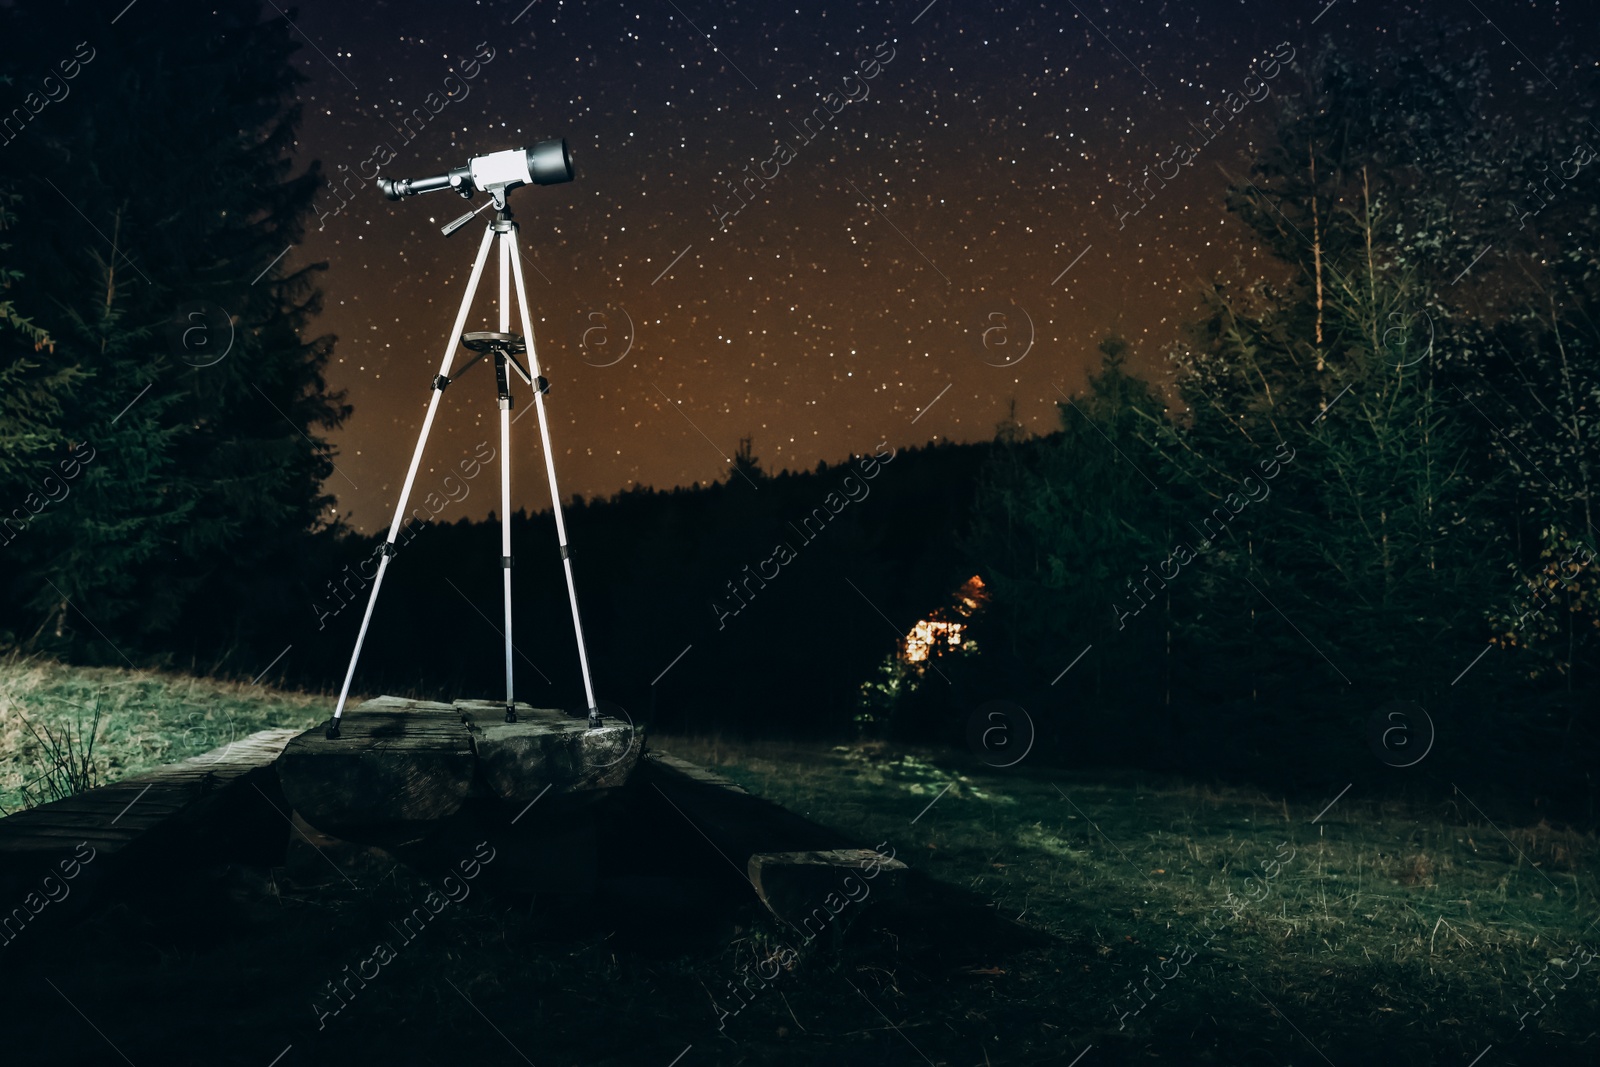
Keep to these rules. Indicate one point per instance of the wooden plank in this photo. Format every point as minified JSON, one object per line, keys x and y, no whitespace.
{"x":74,"y":821}
{"x":735,"y":823}
{"x":51,"y":840}
{"x":226,"y":761}
{"x":115,"y":816}
{"x":694,"y":772}
{"x":397,"y":764}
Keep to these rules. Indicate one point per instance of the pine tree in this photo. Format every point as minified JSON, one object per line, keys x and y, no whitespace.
{"x":36,"y":455}
{"x":31,"y":395}
{"x":165,"y":203}
{"x":1065,"y":526}
{"x":1383,"y":553}
{"x":1486,"y":225}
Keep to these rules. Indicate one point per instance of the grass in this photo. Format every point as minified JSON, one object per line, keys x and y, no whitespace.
{"x":63,"y":728}
{"x":1158,"y":920}
{"x":1411,"y":934}
{"x":65,"y":759}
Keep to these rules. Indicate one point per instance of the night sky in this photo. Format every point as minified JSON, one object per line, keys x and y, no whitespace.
{"x":964,"y":195}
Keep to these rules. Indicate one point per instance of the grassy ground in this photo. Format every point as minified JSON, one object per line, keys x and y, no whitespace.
{"x":1155,"y":920}
{"x":1216,"y":925}
{"x":136,"y":720}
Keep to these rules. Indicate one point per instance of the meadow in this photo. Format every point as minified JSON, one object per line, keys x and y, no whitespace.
{"x":1118,"y":916}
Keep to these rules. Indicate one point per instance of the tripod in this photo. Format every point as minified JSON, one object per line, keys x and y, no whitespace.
{"x":504,"y":347}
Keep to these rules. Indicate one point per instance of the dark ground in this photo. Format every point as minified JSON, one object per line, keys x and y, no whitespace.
{"x":1375,"y":933}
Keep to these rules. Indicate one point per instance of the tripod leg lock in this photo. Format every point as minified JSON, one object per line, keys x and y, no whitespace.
{"x":386,"y":549}
{"x":440,"y":381}
{"x":566,"y":552}
{"x":542,"y":384}
{"x":506,"y":561}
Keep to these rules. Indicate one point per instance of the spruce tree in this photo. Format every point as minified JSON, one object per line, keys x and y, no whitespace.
{"x":162,"y":199}
{"x":1382,"y":359}
{"x":34,"y":449}
{"x":1065,"y":526}
{"x":31,"y":394}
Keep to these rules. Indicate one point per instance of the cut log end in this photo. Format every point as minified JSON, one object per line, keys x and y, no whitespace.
{"x":547,"y":750}
{"x":396,"y":762}
{"x":799,"y":885}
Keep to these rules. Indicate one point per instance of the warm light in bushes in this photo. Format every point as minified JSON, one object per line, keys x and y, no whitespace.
{"x":930,"y":632}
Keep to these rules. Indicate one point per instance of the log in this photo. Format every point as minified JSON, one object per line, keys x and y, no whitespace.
{"x":736,"y":824}
{"x":397,"y":766}
{"x":204,"y":809}
{"x":547,"y":749}
{"x":795,"y":885}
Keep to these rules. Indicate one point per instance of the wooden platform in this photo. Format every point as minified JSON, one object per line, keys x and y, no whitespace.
{"x":150,"y":810}
{"x":402,"y":765}
{"x":676,"y":846}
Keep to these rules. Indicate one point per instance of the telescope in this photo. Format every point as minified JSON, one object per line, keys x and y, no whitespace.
{"x":546,"y":163}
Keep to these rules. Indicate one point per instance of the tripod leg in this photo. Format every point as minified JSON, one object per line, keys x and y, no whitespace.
{"x":550,"y":472}
{"x":439,"y":384}
{"x":505,"y":459}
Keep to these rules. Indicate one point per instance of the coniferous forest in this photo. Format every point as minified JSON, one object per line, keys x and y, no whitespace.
{"x":1341,"y":505}
{"x":1393,"y":454}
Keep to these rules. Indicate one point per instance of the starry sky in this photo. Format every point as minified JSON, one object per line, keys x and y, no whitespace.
{"x":939,"y":223}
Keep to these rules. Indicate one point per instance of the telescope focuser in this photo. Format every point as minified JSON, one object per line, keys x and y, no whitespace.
{"x":546,"y":163}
